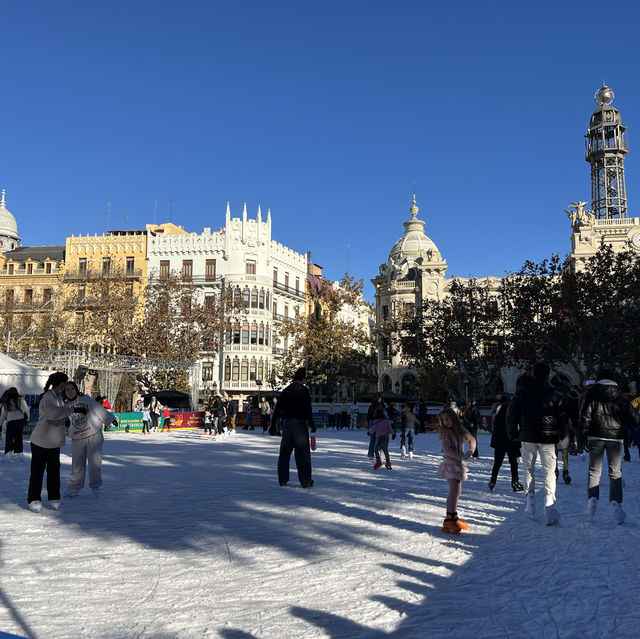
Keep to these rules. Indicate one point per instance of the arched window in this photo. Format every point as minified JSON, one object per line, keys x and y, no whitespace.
{"x":254,"y":298}
{"x":227,"y":370}
{"x":235,"y":370}
{"x":237,"y":295}
{"x":236,"y":333}
{"x":246,"y":297}
{"x":261,"y":333}
{"x":386,"y":383}
{"x":267,"y":297}
{"x":261,"y":298}
{"x":254,"y":333}
{"x":244,"y":370}
{"x":245,"y":333}
{"x":266,"y":335}
{"x":260,"y":369}
{"x":253,"y":369}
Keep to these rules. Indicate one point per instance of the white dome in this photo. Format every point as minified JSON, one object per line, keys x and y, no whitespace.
{"x":8,"y":224}
{"x":414,"y":243}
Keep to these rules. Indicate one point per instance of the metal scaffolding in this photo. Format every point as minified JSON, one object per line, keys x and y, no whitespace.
{"x":110,"y":367}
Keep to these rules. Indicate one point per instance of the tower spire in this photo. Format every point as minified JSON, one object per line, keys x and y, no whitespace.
{"x":2,"y":204}
{"x":606,"y":146}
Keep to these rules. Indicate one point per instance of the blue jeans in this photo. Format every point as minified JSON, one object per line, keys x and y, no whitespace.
{"x":406,"y":439}
{"x":295,"y":438}
{"x":597,"y":448}
{"x":372,"y":443}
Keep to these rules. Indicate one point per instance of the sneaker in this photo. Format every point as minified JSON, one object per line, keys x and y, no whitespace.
{"x":592,"y":504}
{"x":566,"y":477}
{"x":71,"y":492}
{"x":55,"y":504}
{"x":517,"y":486}
{"x":492,"y":484}
{"x":377,"y":464}
{"x":551,"y":515}
{"x":451,"y":527}
{"x":618,"y":514}
{"x":530,"y":505}
{"x":35,"y":506}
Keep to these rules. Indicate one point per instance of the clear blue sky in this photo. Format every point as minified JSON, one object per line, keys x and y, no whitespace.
{"x":325,"y":112}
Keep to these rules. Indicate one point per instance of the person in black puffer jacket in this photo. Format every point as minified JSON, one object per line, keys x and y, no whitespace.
{"x":604,"y":419}
{"x":470,"y":416}
{"x":537,"y":417}
{"x":503,"y":446}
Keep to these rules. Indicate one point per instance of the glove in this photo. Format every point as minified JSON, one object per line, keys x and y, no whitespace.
{"x":81,"y":408}
{"x":466,"y":455}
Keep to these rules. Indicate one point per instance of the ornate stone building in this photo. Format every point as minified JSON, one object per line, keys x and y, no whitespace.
{"x":9,"y":238}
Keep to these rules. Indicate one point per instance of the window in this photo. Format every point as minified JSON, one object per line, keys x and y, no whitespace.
{"x":48,"y":267}
{"x":210,"y":270}
{"x":46,"y":295}
{"x":235,"y":371}
{"x":286,"y":281}
{"x":286,"y":312}
{"x":29,"y":268}
{"x":266,"y":335}
{"x":130,"y":265}
{"x":10,"y":269}
{"x":80,"y":319}
{"x":244,"y":371}
{"x":106,"y":265}
{"x":385,"y":312}
{"x":254,"y":333}
{"x":128,"y":291}
{"x":207,"y":372}
{"x":275,"y":276}
{"x":275,"y":310}
{"x":165,"y":267}
{"x":245,"y":333}
{"x":82,"y":266}
{"x":246,"y":297}
{"x":187,"y":270}
{"x":28,"y":295}
{"x":9,"y":296}
{"x":82,"y":290}
{"x":261,"y":298}
{"x":253,"y":370}
{"x":254,"y":298}
{"x":250,"y":266}
{"x":227,"y":370}
{"x":26,"y":322}
{"x":209,"y":300}
{"x":261,"y":334}
{"x":260,"y":369}
{"x":236,"y":333}
{"x":297,"y":286}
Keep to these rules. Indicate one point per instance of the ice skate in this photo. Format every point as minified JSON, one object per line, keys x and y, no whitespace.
{"x":566,"y":477}
{"x":410,"y":455}
{"x":450,"y":526}
{"x":492,"y":484}
{"x":387,"y":464}
{"x":403,"y":453}
{"x":530,"y":505}
{"x":516,"y":486}
{"x":619,"y":515}
{"x":551,"y":515}
{"x":55,"y":504}
{"x":377,"y":464}
{"x":463,"y":525}
{"x":592,"y":504}
{"x":35,"y":506}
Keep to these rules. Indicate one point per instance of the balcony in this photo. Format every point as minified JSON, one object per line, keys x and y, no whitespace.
{"x":81,"y":275}
{"x":289,"y":289}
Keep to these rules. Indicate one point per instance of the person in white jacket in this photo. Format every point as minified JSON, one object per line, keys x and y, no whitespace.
{"x":86,"y":440}
{"x":46,"y":440}
{"x":15,"y":412}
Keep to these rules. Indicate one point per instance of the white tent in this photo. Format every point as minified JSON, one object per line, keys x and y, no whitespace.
{"x":28,"y":381}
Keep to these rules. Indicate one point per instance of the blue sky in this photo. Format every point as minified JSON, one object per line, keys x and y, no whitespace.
{"x":326,"y":112}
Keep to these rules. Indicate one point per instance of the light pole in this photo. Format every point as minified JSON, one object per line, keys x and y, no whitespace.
{"x":465,"y":381}
{"x":353,"y":389}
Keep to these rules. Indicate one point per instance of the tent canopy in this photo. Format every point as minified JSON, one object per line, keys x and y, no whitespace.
{"x":28,"y":381}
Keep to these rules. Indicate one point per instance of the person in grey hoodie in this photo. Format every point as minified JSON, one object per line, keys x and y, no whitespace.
{"x":16,"y":413}
{"x":86,"y":441}
{"x":46,"y":440}
{"x":604,"y":418}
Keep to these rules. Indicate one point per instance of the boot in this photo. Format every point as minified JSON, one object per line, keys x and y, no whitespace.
{"x":492,"y":483}
{"x":566,"y":477}
{"x":410,"y":455}
{"x":463,"y":525}
{"x":377,"y":464}
{"x":451,"y":527}
{"x":388,"y":464}
{"x":517,"y":486}
{"x":403,"y":452}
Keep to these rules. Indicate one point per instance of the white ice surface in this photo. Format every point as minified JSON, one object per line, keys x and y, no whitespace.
{"x":195,"y":538}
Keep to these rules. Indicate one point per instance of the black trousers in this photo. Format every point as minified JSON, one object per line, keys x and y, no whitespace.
{"x":13,"y":441}
{"x":44,"y":459}
{"x":498,"y":458}
{"x":295,"y":438}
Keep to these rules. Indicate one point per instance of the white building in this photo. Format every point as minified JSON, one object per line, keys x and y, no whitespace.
{"x":9,"y":238}
{"x":268,"y":276}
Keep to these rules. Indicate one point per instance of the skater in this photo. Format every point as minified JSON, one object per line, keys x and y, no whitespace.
{"x":15,"y":412}
{"x":166,"y":419}
{"x":407,"y":432}
{"x":537,"y":417}
{"x":332,"y":414}
{"x":46,"y":440}
{"x":371,"y":411}
{"x":503,"y":446}
{"x":294,"y":407}
{"x":86,"y":441}
{"x":603,"y":420}
{"x":354,"y":414}
{"x":470,"y":417}
{"x":381,"y":429}
{"x":265,"y":414}
{"x":453,"y":435}
{"x":155,"y":410}
{"x":146,"y":418}
{"x":208,"y":418}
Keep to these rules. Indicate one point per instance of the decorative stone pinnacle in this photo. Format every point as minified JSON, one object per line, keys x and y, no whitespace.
{"x":2,"y":204}
{"x":414,"y":209}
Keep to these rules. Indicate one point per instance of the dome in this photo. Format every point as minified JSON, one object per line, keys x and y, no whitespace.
{"x":414,"y":243}
{"x":8,"y":224}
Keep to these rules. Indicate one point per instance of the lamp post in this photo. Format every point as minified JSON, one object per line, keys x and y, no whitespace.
{"x":353,"y":389}
{"x":465,"y":381}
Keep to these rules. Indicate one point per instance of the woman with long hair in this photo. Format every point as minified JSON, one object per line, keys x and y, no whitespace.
{"x":86,"y":440}
{"x":15,"y":412}
{"x":46,"y":440}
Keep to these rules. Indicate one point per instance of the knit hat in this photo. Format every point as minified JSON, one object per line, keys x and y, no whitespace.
{"x":590,"y":381}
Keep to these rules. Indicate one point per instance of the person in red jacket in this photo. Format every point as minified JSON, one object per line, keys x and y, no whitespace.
{"x":167,"y":419}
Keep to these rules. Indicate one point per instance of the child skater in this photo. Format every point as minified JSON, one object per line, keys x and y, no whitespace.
{"x":453,"y":435}
{"x":381,"y":428}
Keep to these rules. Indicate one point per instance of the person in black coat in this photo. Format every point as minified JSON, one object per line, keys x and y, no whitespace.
{"x":604,"y":419}
{"x":470,"y":417}
{"x":502,"y":446}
